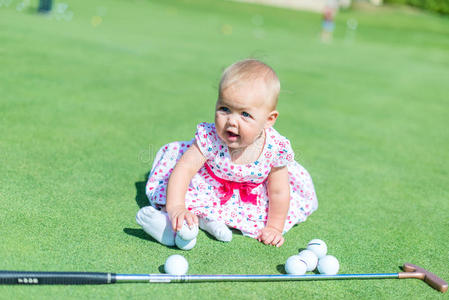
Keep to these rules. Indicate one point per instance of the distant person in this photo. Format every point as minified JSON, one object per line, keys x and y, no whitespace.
{"x":328,"y":23}
{"x":45,"y":6}
{"x":238,"y":172}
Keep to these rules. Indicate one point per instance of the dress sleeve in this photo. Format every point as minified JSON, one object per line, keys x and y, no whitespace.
{"x":206,"y":139}
{"x":283,"y":154}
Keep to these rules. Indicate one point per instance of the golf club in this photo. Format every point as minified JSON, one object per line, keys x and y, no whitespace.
{"x":22,"y":277}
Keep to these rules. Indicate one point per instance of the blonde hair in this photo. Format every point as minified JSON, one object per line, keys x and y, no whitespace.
{"x":250,"y":70}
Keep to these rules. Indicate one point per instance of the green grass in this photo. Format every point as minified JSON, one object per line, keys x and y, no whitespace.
{"x":83,"y":109}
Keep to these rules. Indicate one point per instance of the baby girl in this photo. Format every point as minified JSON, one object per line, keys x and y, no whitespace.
{"x":237,"y":172}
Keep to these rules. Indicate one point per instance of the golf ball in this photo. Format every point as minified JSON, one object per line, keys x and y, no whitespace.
{"x":295,"y":265}
{"x":309,"y":258}
{"x":328,"y":265}
{"x":187,"y":233}
{"x":318,"y":247}
{"x":183,"y":244}
{"x":176,"y":265}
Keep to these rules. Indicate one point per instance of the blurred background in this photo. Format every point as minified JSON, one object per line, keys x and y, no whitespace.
{"x":89,"y":91}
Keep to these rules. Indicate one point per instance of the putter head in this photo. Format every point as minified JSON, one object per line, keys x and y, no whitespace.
{"x":413,"y":271}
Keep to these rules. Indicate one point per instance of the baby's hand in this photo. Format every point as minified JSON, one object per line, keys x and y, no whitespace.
{"x":178,"y":215}
{"x":271,"y":236}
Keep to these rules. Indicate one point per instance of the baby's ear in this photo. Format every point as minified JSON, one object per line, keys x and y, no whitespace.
{"x":272,"y":117}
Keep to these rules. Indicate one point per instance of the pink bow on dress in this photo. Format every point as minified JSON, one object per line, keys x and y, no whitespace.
{"x":227,"y":189}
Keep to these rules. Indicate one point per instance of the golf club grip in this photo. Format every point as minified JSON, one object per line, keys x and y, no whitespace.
{"x":25,"y":277}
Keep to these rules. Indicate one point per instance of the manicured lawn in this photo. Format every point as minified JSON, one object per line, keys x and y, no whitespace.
{"x":86,"y":103}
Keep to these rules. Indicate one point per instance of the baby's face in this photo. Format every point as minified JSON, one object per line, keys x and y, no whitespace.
{"x":242,"y":113}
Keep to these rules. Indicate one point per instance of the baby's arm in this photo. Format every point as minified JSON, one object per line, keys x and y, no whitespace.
{"x":278,"y":205}
{"x":187,"y":166}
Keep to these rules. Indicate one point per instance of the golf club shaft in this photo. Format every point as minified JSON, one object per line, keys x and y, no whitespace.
{"x":161,"y":278}
{"x":24,"y":277}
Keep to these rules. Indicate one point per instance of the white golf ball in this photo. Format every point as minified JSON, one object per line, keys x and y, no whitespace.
{"x":295,"y":265}
{"x":183,"y":244}
{"x":187,"y":233}
{"x":176,"y":265}
{"x":309,"y":258}
{"x":318,"y":247}
{"x":328,"y":265}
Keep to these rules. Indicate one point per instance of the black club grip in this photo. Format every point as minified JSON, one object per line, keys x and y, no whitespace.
{"x":30,"y":278}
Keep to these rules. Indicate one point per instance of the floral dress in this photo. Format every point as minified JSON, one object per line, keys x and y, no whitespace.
{"x":232,"y":193}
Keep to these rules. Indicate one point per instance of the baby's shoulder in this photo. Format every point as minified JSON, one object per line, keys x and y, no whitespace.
{"x":206,"y":132}
{"x":276,"y":140}
{"x":207,"y":139}
{"x":205,"y":128}
{"x":280,"y":147}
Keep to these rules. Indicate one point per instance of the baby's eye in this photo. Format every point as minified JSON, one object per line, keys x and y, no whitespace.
{"x":224,"y":109}
{"x":245,"y":114}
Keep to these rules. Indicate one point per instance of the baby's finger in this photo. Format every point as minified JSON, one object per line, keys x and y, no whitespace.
{"x":276,"y":239}
{"x":268,"y":238}
{"x":189,"y":219}
{"x":195,"y":219}
{"x":281,"y":242}
{"x":174,"y":222}
{"x":179,"y":221}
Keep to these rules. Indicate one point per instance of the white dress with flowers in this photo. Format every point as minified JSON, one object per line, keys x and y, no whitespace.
{"x":204,"y":195}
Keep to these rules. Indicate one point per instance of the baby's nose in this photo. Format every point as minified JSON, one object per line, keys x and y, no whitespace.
{"x":232,"y":120}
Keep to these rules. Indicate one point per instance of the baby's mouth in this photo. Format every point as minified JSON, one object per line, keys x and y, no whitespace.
{"x":232,"y":136}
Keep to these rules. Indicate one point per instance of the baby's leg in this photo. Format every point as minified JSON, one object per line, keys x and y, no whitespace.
{"x":157,"y":224}
{"x":218,"y":229}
